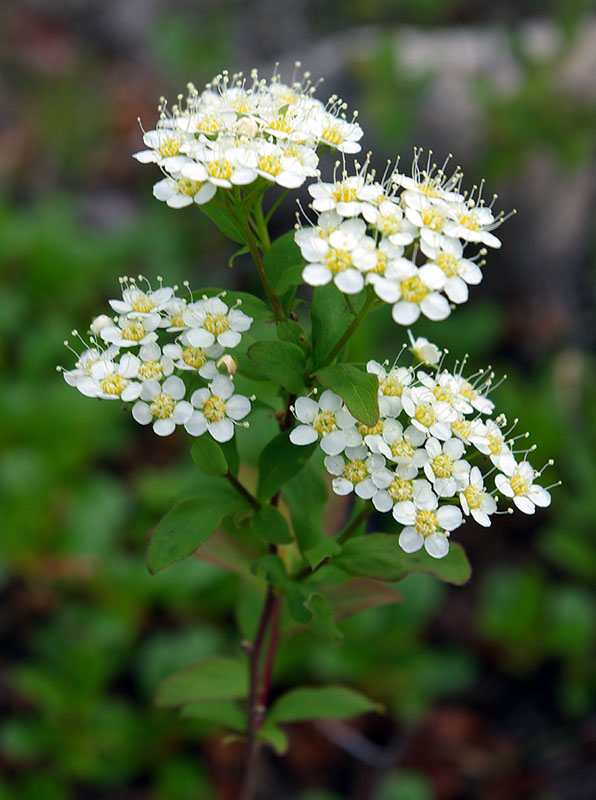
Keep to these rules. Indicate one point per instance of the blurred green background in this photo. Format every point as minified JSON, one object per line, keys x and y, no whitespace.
{"x":490,"y":688}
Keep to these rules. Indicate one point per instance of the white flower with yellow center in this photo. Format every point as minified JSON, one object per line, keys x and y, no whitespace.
{"x":475,"y":500}
{"x":179,"y":191}
{"x":287,"y":166}
{"x":342,"y":258}
{"x":399,"y":491}
{"x":417,"y":292}
{"x":328,"y":419}
{"x":425,"y":351}
{"x":225,"y":164}
{"x":195,"y":359}
{"x":153,"y":363}
{"x":429,"y":415}
{"x":472,"y":223}
{"x":404,"y":447}
{"x":447,"y":253}
{"x":210,"y":321}
{"x":359,"y":471}
{"x":391,"y":387}
{"x":445,"y":468}
{"x":173,"y":315}
{"x":426,"y":214}
{"x":137,"y":303}
{"x":427,"y":524}
{"x":131,"y":331}
{"x":162,"y":404}
{"x":85,"y":362}
{"x":493,"y":444}
{"x":336,"y":132}
{"x":518,"y":484}
{"x":472,"y":393}
{"x":111,"y":380}
{"x":164,"y":145}
{"x":217,"y":410}
{"x":341,"y":196}
{"x":389,"y":220}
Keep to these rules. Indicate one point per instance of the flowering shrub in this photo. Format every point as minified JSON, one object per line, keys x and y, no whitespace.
{"x":413,"y":438}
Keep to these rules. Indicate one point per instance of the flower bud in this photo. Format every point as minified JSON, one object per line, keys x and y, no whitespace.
{"x":99,"y":323}
{"x":227,"y":365}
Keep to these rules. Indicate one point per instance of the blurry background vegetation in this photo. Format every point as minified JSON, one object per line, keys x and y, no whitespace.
{"x":490,"y":688}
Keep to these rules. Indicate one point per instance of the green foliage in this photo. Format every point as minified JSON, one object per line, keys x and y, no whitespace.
{"x":305,"y":496}
{"x":284,"y":263}
{"x":329,"y":702}
{"x":283,"y":362}
{"x":190,"y":522}
{"x":206,"y":681}
{"x":357,"y":389}
{"x":378,"y":555}
{"x":278,"y":463}
{"x":208,"y":456}
{"x":271,"y":525}
{"x":225,"y":221}
{"x":321,"y":620}
{"x":330,"y":316}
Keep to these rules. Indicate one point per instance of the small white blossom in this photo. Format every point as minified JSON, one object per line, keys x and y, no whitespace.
{"x":519,"y":485}
{"x":162,"y":405}
{"x":217,"y":410}
{"x":427,"y":523}
{"x":475,"y":500}
{"x":327,"y":418}
{"x":210,"y":321}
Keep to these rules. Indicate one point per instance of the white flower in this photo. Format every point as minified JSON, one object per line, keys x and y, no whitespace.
{"x":130,"y":332}
{"x":475,"y":500}
{"x":136,"y":303}
{"x":218,"y":408}
{"x":223,"y":165}
{"x":445,"y":468}
{"x":429,"y":415}
{"x":446,"y":253}
{"x":164,"y":145}
{"x":109,"y":379}
{"x":180,"y":191}
{"x":163,"y":405}
{"x":418,"y":292}
{"x":99,"y":323}
{"x":339,"y":196}
{"x":85,"y":362}
{"x":399,"y":490}
{"x":154,"y":364}
{"x":425,"y":351}
{"x":519,"y":485}
{"x":426,"y":523}
{"x":342,"y":258}
{"x":201,"y":360}
{"x":210,"y":321}
{"x":391,"y":387}
{"x":327,"y":418}
{"x":404,"y":447}
{"x":338,"y":133}
{"x":389,"y":220}
{"x":357,"y":470}
{"x":494,"y":445}
{"x":472,"y":223}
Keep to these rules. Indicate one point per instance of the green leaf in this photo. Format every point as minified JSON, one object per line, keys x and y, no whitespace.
{"x":208,"y":680}
{"x":271,"y":567}
{"x":328,"y":702}
{"x":225,"y":713}
{"x":241,"y":252}
{"x":208,"y":456}
{"x":358,"y":389}
{"x":279,"y":462}
{"x":283,"y":362}
{"x":330,"y":317}
{"x":283,"y":262}
{"x":379,"y":555}
{"x":225,"y":221}
{"x":357,"y":595}
{"x":271,"y":525}
{"x":230,"y":452}
{"x":326,"y":548}
{"x":191,"y":522}
{"x":322,"y":621}
{"x":296,"y":595}
{"x":272,"y":734}
{"x":290,"y":331}
{"x":306,"y":496}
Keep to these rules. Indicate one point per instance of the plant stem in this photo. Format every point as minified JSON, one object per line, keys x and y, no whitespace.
{"x":256,"y":710}
{"x":242,"y":490}
{"x":355,"y":524}
{"x":350,"y":330}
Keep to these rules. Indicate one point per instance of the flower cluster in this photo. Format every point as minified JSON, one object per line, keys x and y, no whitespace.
{"x":428,"y":458}
{"x":151,"y":351}
{"x":238,"y":130}
{"x":404,"y":236}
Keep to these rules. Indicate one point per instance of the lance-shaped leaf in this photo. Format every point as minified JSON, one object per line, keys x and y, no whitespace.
{"x":306,"y":496}
{"x":191,"y":522}
{"x":379,"y":555}
{"x":322,"y":621}
{"x":330,"y":316}
{"x":208,"y":456}
{"x":358,"y":390}
{"x":271,"y":525}
{"x":283,"y":362}
{"x":278,"y":462}
{"x":357,"y":595}
{"x":272,"y":734}
{"x":283,"y":262}
{"x":225,"y":713}
{"x":326,"y":702}
{"x":208,"y":680}
{"x":290,"y":331}
{"x":225,"y":221}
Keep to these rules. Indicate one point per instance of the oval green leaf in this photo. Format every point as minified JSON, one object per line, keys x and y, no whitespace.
{"x":208,"y":680}
{"x":358,"y":390}
{"x":279,"y":462}
{"x":271,"y":525}
{"x":328,"y":702}
{"x":283,"y":362}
